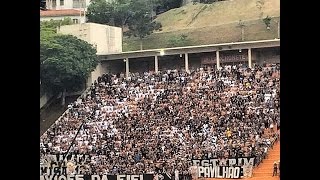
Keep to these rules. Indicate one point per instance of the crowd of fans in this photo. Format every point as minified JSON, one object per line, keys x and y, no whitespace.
{"x":160,"y":121}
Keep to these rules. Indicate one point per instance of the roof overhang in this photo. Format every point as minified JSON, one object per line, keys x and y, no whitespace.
{"x":192,"y":49}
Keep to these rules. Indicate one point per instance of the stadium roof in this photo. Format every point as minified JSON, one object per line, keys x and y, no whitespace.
{"x":58,"y":13}
{"x":192,"y":49}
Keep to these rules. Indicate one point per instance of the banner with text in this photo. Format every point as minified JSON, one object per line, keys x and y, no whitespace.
{"x":224,"y":168}
{"x":243,"y":161}
{"x":220,"y":172}
{"x":96,"y":177}
{"x":225,"y":58}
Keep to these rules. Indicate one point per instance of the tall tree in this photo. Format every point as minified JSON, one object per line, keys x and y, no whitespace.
{"x":65,"y":62}
{"x":48,"y":30}
{"x":122,"y":12}
{"x":140,"y":23}
{"x":136,"y":15}
{"x":46,"y":43}
{"x":115,"y":13}
{"x":165,"y":5}
{"x":99,"y":11}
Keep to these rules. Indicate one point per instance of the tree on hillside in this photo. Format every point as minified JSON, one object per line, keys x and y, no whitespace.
{"x":267,"y":22}
{"x":179,"y":41}
{"x":136,"y":15}
{"x":65,"y":62}
{"x":114,"y":13}
{"x":206,"y":1}
{"x":140,"y":24}
{"x":165,"y":5}
{"x":122,"y":12}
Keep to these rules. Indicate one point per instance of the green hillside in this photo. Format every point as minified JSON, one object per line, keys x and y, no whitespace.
{"x":212,"y":23}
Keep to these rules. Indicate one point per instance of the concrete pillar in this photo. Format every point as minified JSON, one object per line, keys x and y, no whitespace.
{"x":218,"y":59}
{"x":58,"y":5}
{"x":49,"y":4}
{"x":156,"y":64}
{"x":249,"y":58}
{"x":127,"y":67}
{"x":279,"y":29}
{"x":186,"y":62}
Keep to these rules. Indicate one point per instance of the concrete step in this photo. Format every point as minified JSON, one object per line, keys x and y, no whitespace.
{"x":265,"y":170}
{"x":263,"y":178}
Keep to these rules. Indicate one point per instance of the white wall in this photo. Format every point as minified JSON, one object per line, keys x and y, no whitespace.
{"x":107,"y":39}
{"x":68,"y":4}
{"x":115,"y":39}
{"x":82,"y":31}
{"x":99,"y":37}
{"x":100,"y":69}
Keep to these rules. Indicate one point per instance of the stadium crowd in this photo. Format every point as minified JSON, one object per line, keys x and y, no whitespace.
{"x":159,"y":121}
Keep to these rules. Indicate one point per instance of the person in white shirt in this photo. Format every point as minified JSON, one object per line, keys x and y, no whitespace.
{"x":176,"y":174}
{"x":129,"y":125}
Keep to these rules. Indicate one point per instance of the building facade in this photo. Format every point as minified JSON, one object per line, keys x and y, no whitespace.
{"x":68,"y":4}
{"x":107,"y":39}
{"x":74,"y":14}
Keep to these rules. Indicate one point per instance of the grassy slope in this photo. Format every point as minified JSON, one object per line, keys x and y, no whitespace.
{"x":212,"y":23}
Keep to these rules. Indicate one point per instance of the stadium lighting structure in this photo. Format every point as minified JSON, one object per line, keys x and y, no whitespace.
{"x":161,"y":52}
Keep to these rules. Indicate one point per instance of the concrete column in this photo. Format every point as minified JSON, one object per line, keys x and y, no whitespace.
{"x":279,"y":29}
{"x":127,"y":67}
{"x":49,"y":4}
{"x":249,"y":58}
{"x":58,"y":5}
{"x":156,"y":64}
{"x":186,"y":62}
{"x":218,"y":59}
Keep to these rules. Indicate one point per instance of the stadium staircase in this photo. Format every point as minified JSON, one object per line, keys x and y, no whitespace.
{"x":265,"y":169}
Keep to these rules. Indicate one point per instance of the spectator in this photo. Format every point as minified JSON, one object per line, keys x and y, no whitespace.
{"x":275,"y":169}
{"x":153,"y":120}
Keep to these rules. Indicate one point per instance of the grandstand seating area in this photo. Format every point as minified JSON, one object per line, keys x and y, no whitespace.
{"x":160,"y":121}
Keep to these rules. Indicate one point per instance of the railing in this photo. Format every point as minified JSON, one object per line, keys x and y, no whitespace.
{"x":66,"y":111}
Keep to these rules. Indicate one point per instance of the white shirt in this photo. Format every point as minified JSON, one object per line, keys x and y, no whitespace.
{"x":176,"y":175}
